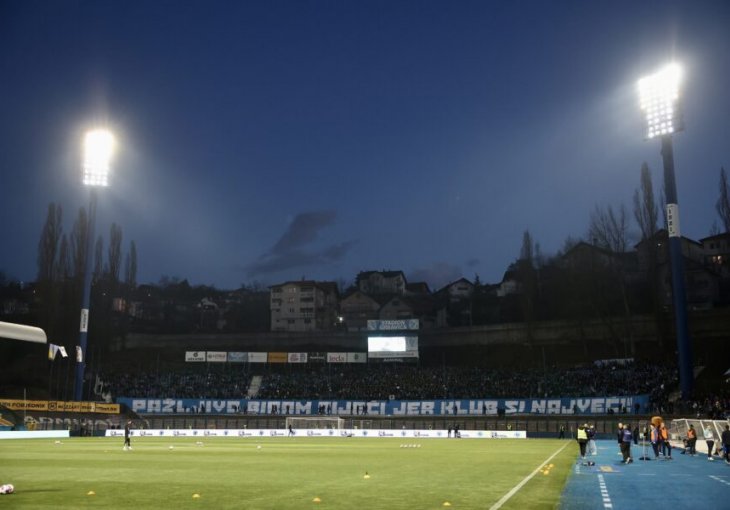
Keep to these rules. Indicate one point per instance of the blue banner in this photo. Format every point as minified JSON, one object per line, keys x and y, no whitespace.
{"x":472,"y":407}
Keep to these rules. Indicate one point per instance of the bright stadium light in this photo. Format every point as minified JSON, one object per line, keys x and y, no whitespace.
{"x":659,"y":96}
{"x":98,"y":149}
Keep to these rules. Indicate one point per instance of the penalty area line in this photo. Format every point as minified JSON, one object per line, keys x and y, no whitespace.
{"x":517,"y":487}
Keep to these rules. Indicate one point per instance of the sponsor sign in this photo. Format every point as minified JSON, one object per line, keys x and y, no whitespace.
{"x":394,"y":325}
{"x":257,"y":357}
{"x":33,"y":434}
{"x":673,"y":220}
{"x":317,"y":357}
{"x":336,"y":357}
{"x":370,"y":433}
{"x":357,"y":357}
{"x":60,"y":406}
{"x":107,"y":408}
{"x":84,"y":326}
{"x":455,"y":407}
{"x":278,"y":357}
{"x":297,"y":357}
{"x":216,"y":356}
{"x":195,"y":356}
{"x":237,"y":357}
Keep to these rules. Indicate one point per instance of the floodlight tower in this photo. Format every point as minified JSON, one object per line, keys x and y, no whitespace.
{"x":659,"y":95}
{"x":97,"y":151}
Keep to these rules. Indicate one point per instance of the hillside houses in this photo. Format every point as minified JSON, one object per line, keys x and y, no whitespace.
{"x":586,"y":279}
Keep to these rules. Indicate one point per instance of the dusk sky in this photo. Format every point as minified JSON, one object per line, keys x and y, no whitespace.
{"x":274,"y":140}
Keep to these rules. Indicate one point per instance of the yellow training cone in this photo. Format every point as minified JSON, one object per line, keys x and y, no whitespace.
{"x":196,"y":496}
{"x":446,"y":503}
{"x":316,"y":500}
{"x":91,"y":493}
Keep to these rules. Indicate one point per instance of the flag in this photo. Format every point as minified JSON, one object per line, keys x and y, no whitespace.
{"x":79,"y":354}
{"x":52,"y":350}
{"x":62,"y":350}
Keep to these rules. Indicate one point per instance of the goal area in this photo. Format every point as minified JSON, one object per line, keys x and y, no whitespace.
{"x":315,"y":422}
{"x":679,"y":426}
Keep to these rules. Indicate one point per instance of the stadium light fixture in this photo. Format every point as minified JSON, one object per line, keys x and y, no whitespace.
{"x":97,"y":150}
{"x":659,"y":94}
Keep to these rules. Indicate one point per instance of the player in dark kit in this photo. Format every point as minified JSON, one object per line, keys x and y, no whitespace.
{"x":127,"y":442}
{"x":625,"y":445}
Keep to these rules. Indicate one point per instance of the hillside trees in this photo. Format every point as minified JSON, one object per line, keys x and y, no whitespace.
{"x":61,"y":261}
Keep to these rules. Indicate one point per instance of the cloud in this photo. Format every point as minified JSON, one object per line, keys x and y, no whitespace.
{"x":473,"y":262}
{"x":303,"y":230}
{"x":438,"y":275}
{"x":293,"y":251}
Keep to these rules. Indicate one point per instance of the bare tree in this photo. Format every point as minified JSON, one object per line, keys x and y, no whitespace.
{"x":63,"y":266}
{"x":79,"y":235}
{"x":723,"y":203}
{"x":609,"y":230}
{"x":48,"y":288}
{"x":98,"y":272}
{"x":646,"y":211}
{"x":114,"y":253}
{"x":130,"y":266}
{"x":527,"y":276}
{"x":48,"y":244}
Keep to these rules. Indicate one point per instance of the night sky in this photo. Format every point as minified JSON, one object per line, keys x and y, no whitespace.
{"x":270,"y":141}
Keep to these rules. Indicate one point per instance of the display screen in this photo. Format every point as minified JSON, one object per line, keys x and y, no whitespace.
{"x":386,"y":344}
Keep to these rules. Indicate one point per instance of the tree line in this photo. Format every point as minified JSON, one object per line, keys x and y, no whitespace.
{"x":60,"y":278}
{"x":604,"y":281}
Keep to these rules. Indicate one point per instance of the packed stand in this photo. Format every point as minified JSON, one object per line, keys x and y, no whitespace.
{"x":397,"y":381}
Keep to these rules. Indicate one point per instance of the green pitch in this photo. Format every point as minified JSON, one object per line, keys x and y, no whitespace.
{"x":284,"y":473}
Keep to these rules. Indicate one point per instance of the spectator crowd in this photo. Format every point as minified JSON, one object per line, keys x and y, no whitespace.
{"x":396,"y":381}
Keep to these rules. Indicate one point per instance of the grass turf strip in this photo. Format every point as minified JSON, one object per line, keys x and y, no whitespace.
{"x":284,"y":473}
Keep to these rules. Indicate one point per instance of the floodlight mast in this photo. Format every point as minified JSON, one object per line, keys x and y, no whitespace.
{"x":660,"y":100}
{"x":97,"y":152}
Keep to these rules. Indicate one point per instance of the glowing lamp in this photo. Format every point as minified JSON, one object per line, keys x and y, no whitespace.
{"x":659,"y":96}
{"x":98,"y":149}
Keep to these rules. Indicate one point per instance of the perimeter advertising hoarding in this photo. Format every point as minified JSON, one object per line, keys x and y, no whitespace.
{"x":365,"y":433}
{"x":336,"y":357}
{"x":216,"y":356}
{"x":357,"y":357}
{"x":278,"y":357}
{"x":297,"y":357}
{"x":257,"y":357}
{"x":195,"y":356}
{"x":60,"y":406}
{"x":317,"y":357}
{"x":237,"y":357}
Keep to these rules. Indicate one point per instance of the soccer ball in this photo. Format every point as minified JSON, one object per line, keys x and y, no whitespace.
{"x":7,"y":488}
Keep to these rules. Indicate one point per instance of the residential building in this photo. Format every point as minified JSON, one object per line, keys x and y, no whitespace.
{"x":304,"y":306}
{"x":381,"y":282}
{"x":356,"y":309}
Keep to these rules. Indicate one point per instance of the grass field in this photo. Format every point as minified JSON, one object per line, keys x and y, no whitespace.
{"x":284,"y":473}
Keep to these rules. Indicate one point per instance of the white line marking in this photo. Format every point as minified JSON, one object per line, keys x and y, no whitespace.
{"x":604,"y":492}
{"x":517,"y":487}
{"x":719,"y":479}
